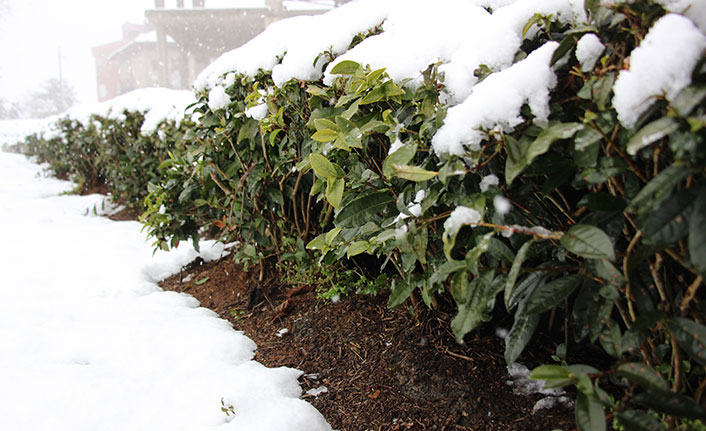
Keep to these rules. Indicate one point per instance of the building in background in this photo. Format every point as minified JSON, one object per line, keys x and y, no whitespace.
{"x":181,"y":38}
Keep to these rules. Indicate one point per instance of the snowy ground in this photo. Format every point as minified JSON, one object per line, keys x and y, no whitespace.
{"x":88,"y":341}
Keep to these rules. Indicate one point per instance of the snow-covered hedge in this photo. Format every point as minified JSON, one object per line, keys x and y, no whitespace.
{"x":546,"y":154}
{"x":118,"y":143}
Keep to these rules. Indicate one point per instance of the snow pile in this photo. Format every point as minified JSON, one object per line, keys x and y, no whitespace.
{"x":416,"y":33}
{"x":89,"y":341}
{"x":522,"y":385}
{"x":496,"y":102}
{"x":660,"y":66}
{"x":588,"y":50}
{"x":157,"y":104}
{"x":695,"y":10}
{"x":14,"y":131}
{"x":297,"y":41}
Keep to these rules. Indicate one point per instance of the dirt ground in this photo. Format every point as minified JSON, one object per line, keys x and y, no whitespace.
{"x":383,"y":369}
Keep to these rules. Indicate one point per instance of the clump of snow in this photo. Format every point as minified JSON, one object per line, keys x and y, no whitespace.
{"x":588,"y":50}
{"x":257,"y":112}
{"x":218,"y":98}
{"x":661,"y":65}
{"x":395,"y":146}
{"x":297,"y":42}
{"x":502,"y":205}
{"x":157,"y":104}
{"x":415,"y":207}
{"x":487,"y":181}
{"x":282,"y":332}
{"x":497,"y":102}
{"x":14,"y":131}
{"x":522,"y":384}
{"x":550,"y":401}
{"x":460,"y":217}
{"x":315,"y":392}
{"x":459,"y":34}
{"x":692,"y":9}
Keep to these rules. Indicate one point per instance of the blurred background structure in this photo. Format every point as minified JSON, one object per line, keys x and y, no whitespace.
{"x":181,"y":37}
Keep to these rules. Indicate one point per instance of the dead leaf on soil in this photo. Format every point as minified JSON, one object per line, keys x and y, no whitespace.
{"x":282,"y":309}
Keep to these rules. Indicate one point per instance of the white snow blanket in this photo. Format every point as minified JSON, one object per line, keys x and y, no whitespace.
{"x":88,"y":341}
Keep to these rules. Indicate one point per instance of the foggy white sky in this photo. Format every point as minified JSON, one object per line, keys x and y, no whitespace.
{"x":33,"y":31}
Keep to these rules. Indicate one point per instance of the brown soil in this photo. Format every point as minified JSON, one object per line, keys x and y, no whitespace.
{"x":384,"y":369}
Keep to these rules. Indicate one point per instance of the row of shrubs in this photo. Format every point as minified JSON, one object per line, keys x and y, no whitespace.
{"x":580,"y":218}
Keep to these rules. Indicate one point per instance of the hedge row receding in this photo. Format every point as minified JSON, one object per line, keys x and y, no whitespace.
{"x":577,"y":216}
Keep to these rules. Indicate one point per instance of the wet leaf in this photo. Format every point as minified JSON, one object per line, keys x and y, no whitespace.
{"x":652,"y":132}
{"x":589,"y":413}
{"x":643,"y":375}
{"x":345,"y":67}
{"x":549,"y":295}
{"x":588,"y":241}
{"x":691,"y":337}
{"x":322,"y":166}
{"x":413,"y":173}
{"x":521,"y":332}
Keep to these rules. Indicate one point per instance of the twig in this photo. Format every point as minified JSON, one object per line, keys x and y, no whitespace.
{"x":690,"y":293}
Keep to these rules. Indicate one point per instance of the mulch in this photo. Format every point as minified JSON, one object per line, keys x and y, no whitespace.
{"x":383,"y":369}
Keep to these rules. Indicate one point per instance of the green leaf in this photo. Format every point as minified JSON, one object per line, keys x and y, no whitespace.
{"x":585,"y":138}
{"x":460,"y":287}
{"x":554,"y":376}
{"x":669,"y":223}
{"x":318,"y":243}
{"x":377,"y":94}
{"x":391,"y":90}
{"x":637,"y":420}
{"x":477,"y":308}
{"x":332,"y":234}
{"x":588,"y":241}
{"x":474,"y":255}
{"x":202,"y":281}
{"x":688,"y":99}
{"x":442,"y":272}
{"x":670,"y":403}
{"x":400,"y":293}
{"x":658,"y":189}
{"x":322,"y":166}
{"x":345,"y":67}
{"x":323,"y":124}
{"x":401,"y":156}
{"x":524,"y":288}
{"x":334,"y":191}
{"x":545,"y":139}
{"x":607,"y":271}
{"x":697,"y":235}
{"x":564,"y":47}
{"x":643,"y":375}
{"x":413,"y":173}
{"x":589,"y":413}
{"x":499,"y":250}
{"x":519,"y":335}
{"x":515,"y":271}
{"x":652,"y":132}
{"x":357,"y":248}
{"x":549,"y":295}
{"x":691,"y":337}
{"x":325,"y":135}
{"x":535,"y":19}
{"x":358,"y":211}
